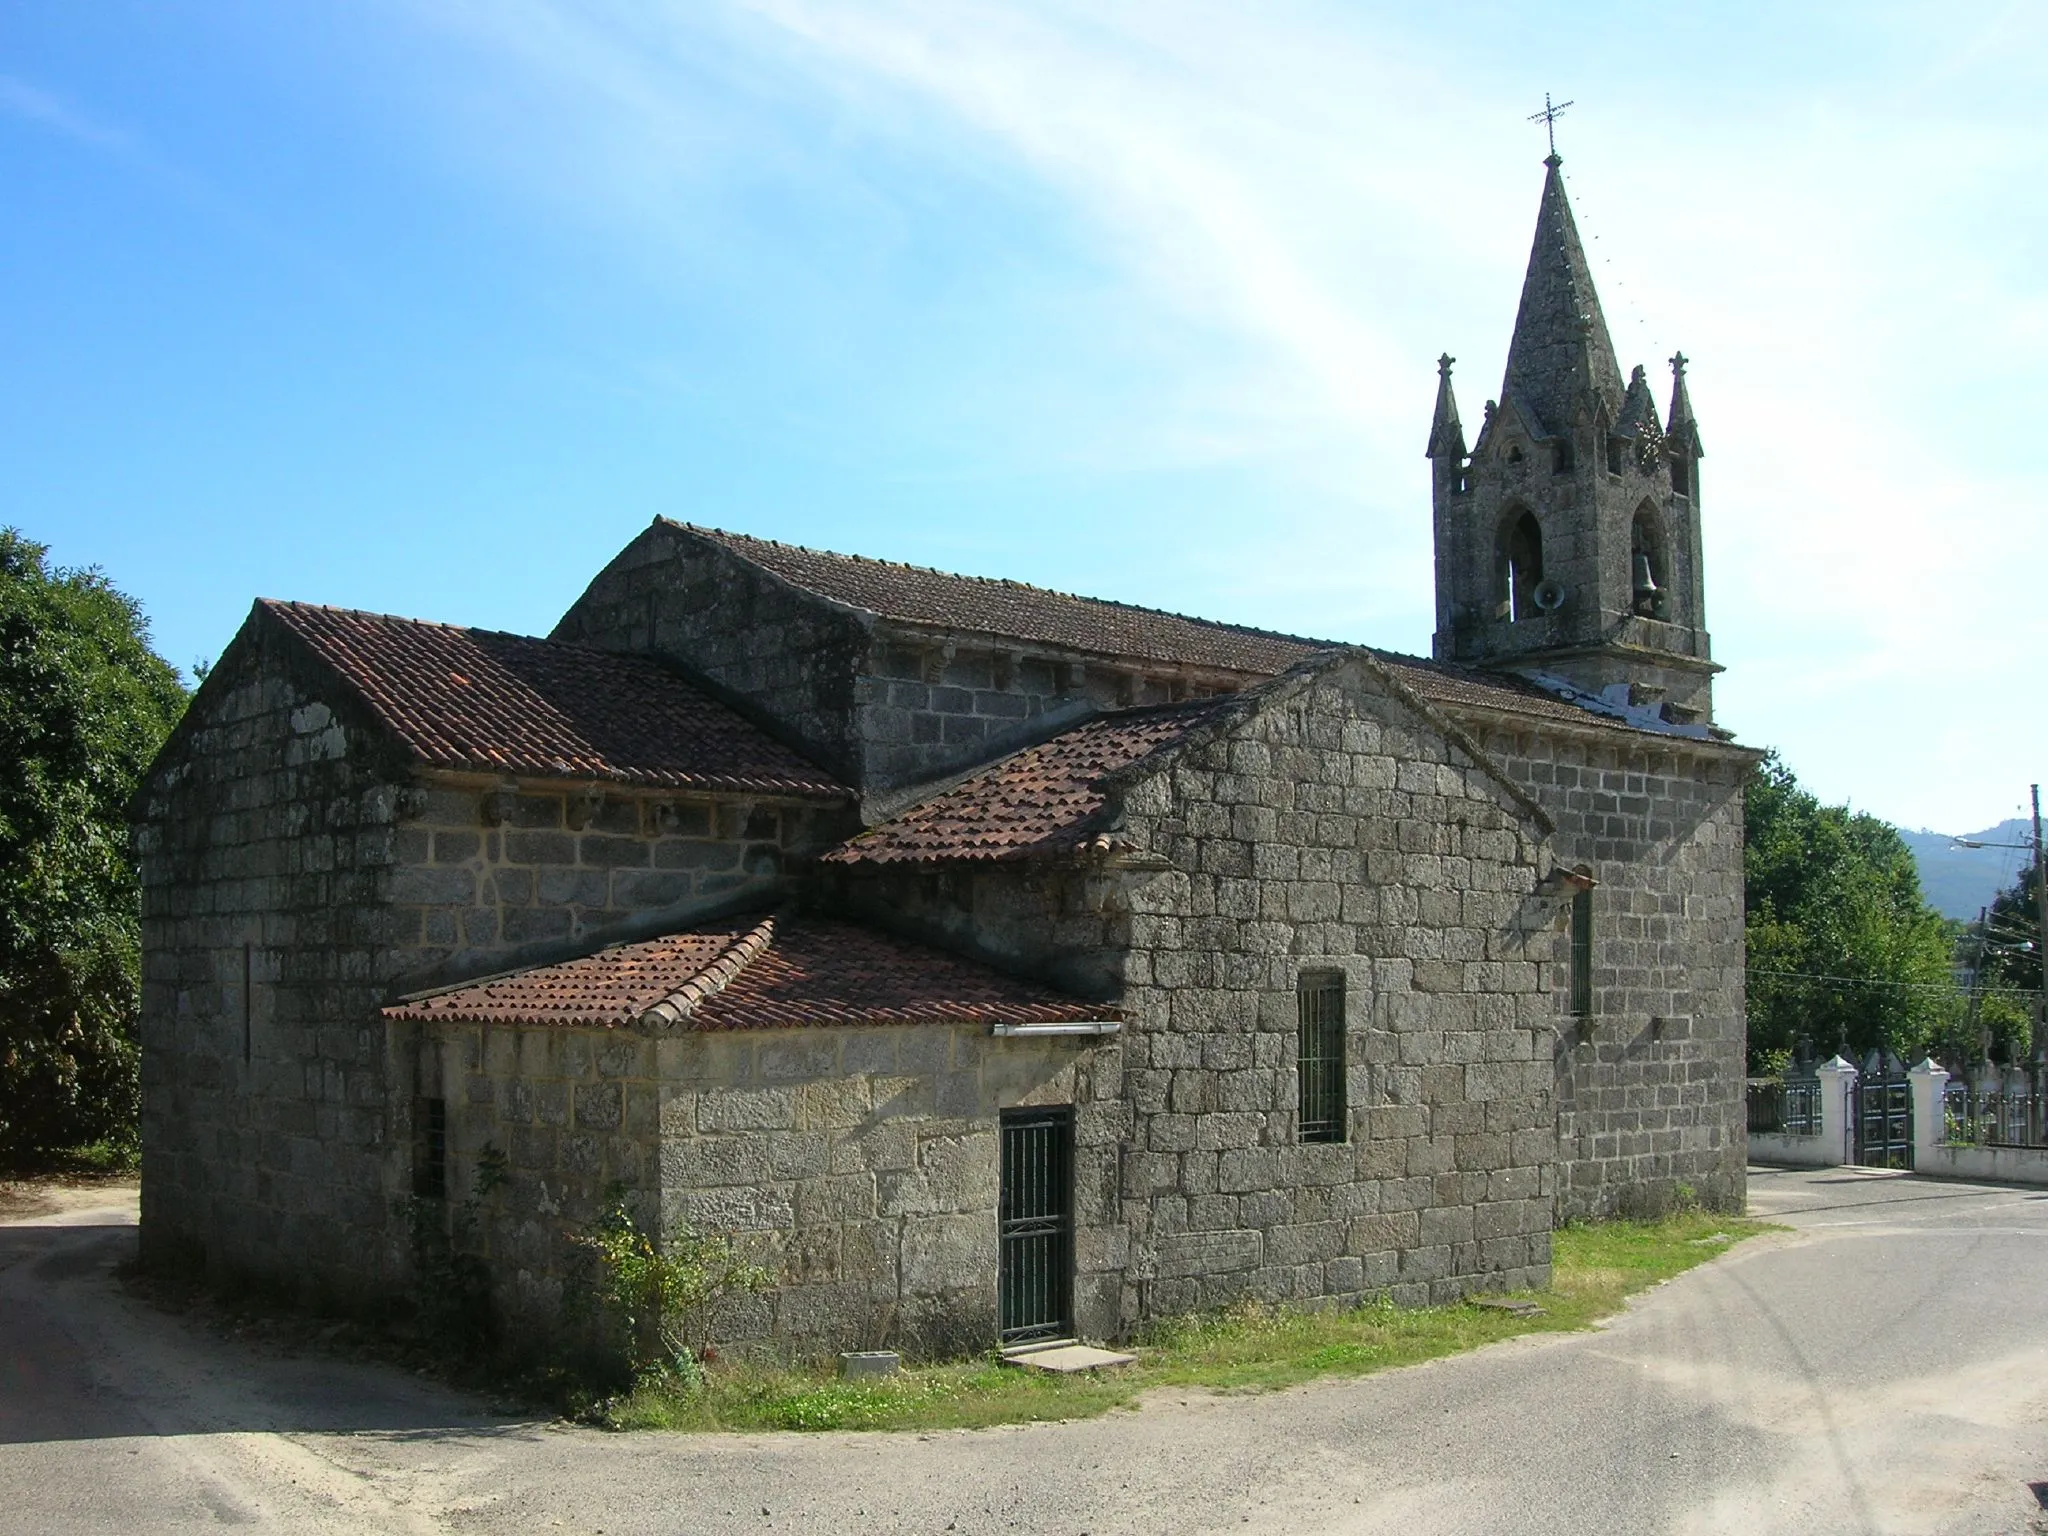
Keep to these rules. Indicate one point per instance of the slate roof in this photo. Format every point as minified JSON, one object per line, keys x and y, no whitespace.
{"x":475,"y":699}
{"x":1448,"y":684}
{"x":914,"y":595}
{"x":779,"y":972}
{"x":1042,"y":800}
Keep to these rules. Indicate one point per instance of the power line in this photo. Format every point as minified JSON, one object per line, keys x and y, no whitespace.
{"x":1915,"y":986}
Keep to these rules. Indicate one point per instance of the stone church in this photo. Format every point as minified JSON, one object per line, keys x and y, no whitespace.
{"x":998,"y":964}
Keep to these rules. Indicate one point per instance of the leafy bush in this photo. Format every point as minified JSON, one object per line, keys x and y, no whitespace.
{"x":665,"y":1298}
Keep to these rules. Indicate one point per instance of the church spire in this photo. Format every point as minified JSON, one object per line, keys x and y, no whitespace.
{"x":1568,"y":539}
{"x":1446,"y":433}
{"x":1561,"y":356}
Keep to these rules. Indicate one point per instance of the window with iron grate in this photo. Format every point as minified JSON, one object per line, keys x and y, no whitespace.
{"x":1320,"y":1060}
{"x":1582,"y":954}
{"x":430,"y":1150}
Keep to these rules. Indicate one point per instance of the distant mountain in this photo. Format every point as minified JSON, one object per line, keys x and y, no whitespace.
{"x":1958,"y":881}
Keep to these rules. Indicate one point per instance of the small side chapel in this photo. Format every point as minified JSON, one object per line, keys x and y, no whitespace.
{"x":998,"y":964}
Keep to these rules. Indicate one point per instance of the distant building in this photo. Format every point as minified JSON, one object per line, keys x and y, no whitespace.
{"x":1004,"y":963}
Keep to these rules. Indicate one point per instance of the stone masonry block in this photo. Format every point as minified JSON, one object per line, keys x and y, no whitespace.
{"x":1209,"y":1253}
{"x":746,"y":1109}
{"x":943,"y":1253}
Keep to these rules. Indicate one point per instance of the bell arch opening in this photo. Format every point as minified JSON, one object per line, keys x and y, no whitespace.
{"x":1649,"y":563}
{"x":1518,"y":566}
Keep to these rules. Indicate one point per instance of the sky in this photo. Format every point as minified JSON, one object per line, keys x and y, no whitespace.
{"x":429,"y":306}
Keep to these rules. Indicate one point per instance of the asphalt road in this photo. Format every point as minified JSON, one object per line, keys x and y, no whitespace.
{"x":1883,"y":1367}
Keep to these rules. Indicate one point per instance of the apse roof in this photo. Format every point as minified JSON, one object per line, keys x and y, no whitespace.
{"x":756,"y":972}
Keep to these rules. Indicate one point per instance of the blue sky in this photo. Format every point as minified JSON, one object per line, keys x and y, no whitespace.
{"x":428,"y":307}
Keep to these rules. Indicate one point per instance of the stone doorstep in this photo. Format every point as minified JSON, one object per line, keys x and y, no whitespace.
{"x":1063,"y":1356}
{"x":1508,"y":1304}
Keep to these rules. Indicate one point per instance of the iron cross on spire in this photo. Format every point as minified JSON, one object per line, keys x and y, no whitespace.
{"x":1548,"y":118}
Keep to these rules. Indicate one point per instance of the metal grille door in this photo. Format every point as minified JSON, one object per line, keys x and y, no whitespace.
{"x":1036,"y":1280}
{"x":1884,"y":1113}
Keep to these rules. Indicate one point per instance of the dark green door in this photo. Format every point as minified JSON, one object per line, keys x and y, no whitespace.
{"x":1884,"y":1113}
{"x":1035,"y":1281}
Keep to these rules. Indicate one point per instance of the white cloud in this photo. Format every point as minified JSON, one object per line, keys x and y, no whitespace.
{"x":1301,"y":205}
{"x":31,"y":103}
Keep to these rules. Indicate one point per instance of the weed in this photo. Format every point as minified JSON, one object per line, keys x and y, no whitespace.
{"x":1251,"y":1347}
{"x":665,"y":1297}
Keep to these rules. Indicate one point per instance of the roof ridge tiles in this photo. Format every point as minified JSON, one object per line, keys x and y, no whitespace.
{"x":298,"y":605}
{"x":678,"y":1006}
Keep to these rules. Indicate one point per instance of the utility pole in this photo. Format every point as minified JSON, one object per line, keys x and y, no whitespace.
{"x":2041,"y":938}
{"x":2040,"y":944}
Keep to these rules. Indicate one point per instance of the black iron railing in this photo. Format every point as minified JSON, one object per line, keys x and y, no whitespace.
{"x":1783,"y":1108}
{"x":2016,"y":1117}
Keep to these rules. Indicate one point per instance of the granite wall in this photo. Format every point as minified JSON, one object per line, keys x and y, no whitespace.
{"x":858,"y":1163}
{"x":1650,"y":1084}
{"x":784,"y":658}
{"x":1329,"y":828}
{"x":1336,"y":831}
{"x":297,"y":874}
{"x":265,"y":846}
{"x":491,"y":876}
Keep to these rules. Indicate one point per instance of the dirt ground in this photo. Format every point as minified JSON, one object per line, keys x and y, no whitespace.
{"x":20,"y":1198}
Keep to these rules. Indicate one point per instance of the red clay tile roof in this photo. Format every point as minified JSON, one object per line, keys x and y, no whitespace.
{"x":915,"y":595}
{"x":1042,"y":800}
{"x":1046,"y":798}
{"x":778,"y":972}
{"x":475,"y":699}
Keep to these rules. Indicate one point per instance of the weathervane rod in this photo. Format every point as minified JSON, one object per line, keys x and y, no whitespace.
{"x":1548,"y":118}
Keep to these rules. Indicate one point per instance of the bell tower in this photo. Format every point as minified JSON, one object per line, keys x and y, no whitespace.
{"x":1567,"y":538}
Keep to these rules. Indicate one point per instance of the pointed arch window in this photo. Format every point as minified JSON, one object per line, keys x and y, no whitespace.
{"x":1650,"y":566}
{"x":1520,"y":566}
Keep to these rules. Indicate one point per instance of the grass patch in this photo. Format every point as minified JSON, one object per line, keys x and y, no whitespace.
{"x":1251,"y":1348}
{"x":116,"y":1158}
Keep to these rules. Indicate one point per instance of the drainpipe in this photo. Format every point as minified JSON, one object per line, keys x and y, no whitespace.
{"x":2041,"y":938}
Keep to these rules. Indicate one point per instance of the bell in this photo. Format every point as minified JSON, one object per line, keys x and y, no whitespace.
{"x":1646,"y":580}
{"x":1649,"y":597}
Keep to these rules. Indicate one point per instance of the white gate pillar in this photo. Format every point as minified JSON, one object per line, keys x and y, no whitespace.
{"x":1930,"y":1114}
{"x":1837,"y":1080}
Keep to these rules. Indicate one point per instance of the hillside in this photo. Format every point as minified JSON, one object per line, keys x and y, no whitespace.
{"x":1958,"y":881}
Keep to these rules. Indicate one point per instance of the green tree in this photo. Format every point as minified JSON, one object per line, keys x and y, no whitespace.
{"x":1843,"y":949}
{"x":84,"y":705}
{"x":2006,"y":950}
